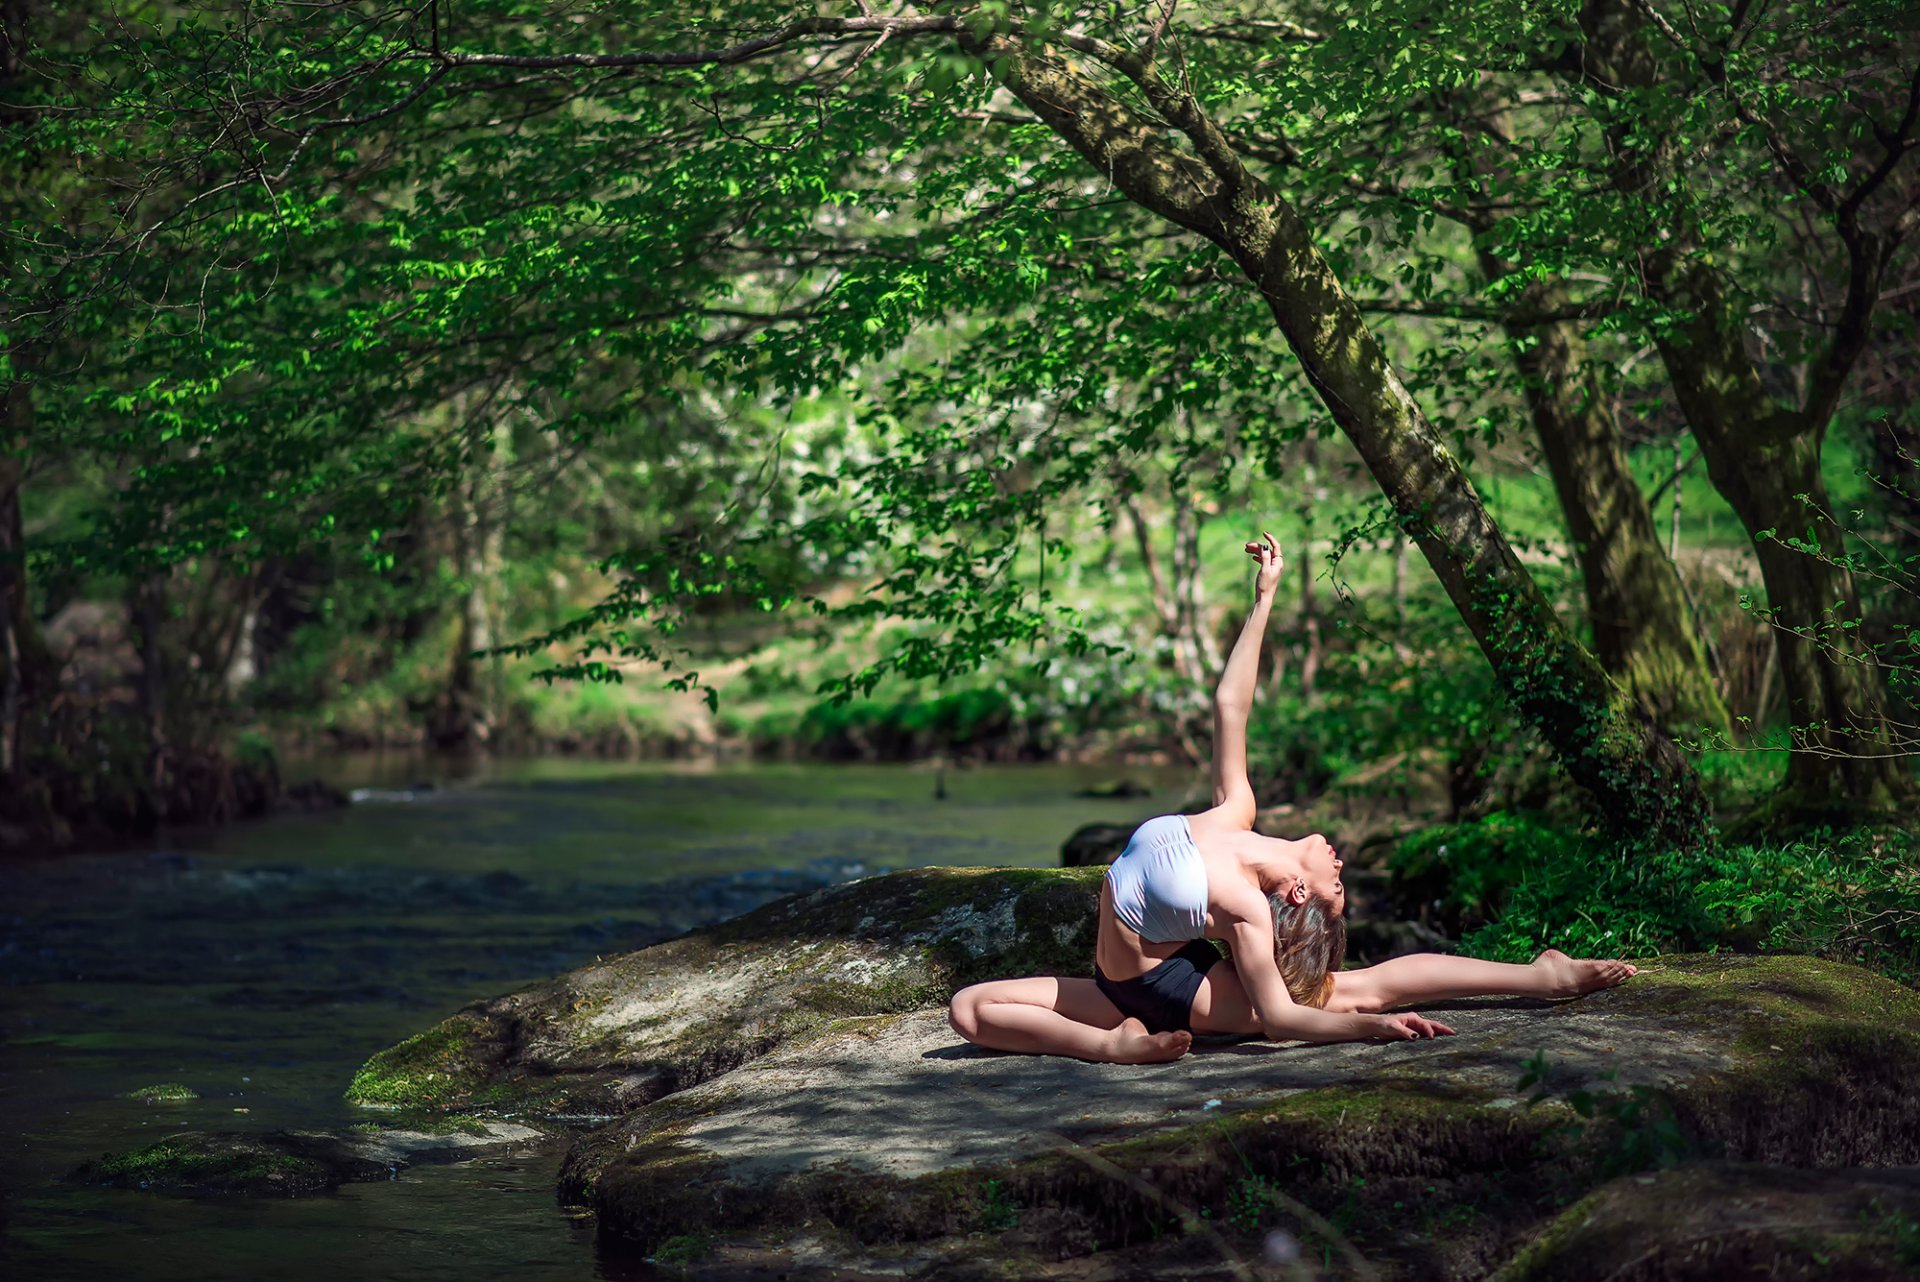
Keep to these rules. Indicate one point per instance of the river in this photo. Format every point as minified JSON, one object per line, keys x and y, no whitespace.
{"x":261,"y":964}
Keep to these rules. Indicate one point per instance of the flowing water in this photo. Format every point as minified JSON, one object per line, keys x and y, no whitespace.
{"x":262,"y":964}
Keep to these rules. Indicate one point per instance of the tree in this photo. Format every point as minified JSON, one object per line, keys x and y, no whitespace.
{"x":755,"y":132}
{"x":1762,"y":444}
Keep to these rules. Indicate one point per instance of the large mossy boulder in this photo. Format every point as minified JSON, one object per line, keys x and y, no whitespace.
{"x":1714,"y":1222}
{"x":882,"y":1135}
{"x":626,"y":1030}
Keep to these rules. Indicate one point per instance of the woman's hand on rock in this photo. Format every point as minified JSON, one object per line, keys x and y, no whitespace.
{"x":1406,"y":1027}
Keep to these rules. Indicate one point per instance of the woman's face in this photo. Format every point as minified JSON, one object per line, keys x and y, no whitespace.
{"x":1320,"y":864}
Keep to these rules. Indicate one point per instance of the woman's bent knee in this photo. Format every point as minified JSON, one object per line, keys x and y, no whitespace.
{"x":963,"y":1014}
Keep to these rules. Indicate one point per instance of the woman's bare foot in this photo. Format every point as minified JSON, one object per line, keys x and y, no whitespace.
{"x":1566,"y":976}
{"x":1133,"y":1044}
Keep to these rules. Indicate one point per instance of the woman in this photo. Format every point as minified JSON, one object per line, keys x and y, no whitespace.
{"x":1184,"y":879}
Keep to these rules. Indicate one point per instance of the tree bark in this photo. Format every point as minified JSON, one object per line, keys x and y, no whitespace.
{"x":1643,"y":632}
{"x":1843,"y":765}
{"x":1309,"y":616}
{"x":147,"y":604}
{"x":1639,"y":783}
{"x":27,"y":673}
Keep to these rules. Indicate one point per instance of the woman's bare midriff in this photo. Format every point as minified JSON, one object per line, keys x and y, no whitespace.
{"x":1119,"y":951}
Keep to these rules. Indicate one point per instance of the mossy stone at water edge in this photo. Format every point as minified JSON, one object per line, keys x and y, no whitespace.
{"x":884,"y":1134}
{"x":626,"y":1030}
{"x":292,"y":1163}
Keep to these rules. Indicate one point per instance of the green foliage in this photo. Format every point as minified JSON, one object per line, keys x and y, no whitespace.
{"x":683,"y":1251}
{"x":1249,"y":1202}
{"x":1902,"y":1229}
{"x":998,"y":1211}
{"x":1469,"y":869}
{"x":833,"y":331}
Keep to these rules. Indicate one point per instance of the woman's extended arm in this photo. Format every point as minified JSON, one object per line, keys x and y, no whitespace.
{"x":1233,"y":698}
{"x":1284,"y":1020}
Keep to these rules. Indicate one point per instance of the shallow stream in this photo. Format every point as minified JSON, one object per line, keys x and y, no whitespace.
{"x":260,"y":965}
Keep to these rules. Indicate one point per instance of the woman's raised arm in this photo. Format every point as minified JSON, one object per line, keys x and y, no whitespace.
{"x":1233,"y":699}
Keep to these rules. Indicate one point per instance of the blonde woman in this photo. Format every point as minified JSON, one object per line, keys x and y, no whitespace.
{"x":1279,"y":905}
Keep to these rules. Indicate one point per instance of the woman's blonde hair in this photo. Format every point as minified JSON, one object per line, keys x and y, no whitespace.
{"x":1309,"y":944}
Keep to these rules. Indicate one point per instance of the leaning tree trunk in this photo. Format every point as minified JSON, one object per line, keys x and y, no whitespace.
{"x":1643,"y":631}
{"x":1639,"y":783}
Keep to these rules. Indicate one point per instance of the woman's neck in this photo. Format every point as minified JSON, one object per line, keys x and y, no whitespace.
{"x":1272,"y":861}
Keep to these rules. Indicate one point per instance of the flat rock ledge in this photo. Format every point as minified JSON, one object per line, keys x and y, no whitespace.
{"x":295,"y":1163}
{"x":884,"y":1144}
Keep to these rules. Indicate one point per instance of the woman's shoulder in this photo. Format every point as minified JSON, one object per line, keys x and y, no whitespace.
{"x":1219,"y":829}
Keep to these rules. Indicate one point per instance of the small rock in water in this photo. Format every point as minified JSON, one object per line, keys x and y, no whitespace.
{"x":292,"y":1163}
{"x":311,"y":795}
{"x":364,"y":796}
{"x":1094,"y":844}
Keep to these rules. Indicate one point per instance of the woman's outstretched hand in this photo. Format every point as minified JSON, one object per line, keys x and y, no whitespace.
{"x":1267,"y":555}
{"x":1406,"y":1027}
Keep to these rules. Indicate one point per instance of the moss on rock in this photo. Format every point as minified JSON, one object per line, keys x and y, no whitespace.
{"x":197,"y":1162}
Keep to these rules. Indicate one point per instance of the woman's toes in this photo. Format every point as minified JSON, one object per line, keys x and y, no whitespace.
{"x":1165,"y":1047}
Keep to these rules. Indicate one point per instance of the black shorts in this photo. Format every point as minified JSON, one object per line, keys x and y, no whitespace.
{"x":1162,"y":999}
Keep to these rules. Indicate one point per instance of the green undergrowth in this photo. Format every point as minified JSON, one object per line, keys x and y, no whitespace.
{"x":1852,"y":896}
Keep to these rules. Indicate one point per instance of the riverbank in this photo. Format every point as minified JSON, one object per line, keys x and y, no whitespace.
{"x":260,"y":964}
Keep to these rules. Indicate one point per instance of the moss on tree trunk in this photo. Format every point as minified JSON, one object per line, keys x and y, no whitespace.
{"x":1639,"y":783}
{"x":1643,"y":631}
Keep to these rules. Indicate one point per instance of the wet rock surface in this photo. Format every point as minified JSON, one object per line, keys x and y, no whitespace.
{"x":294,"y":1163}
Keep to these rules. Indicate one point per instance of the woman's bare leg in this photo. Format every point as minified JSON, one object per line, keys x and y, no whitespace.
{"x":1049,"y":1016}
{"x":1223,"y":1007}
{"x":1437,"y":977}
